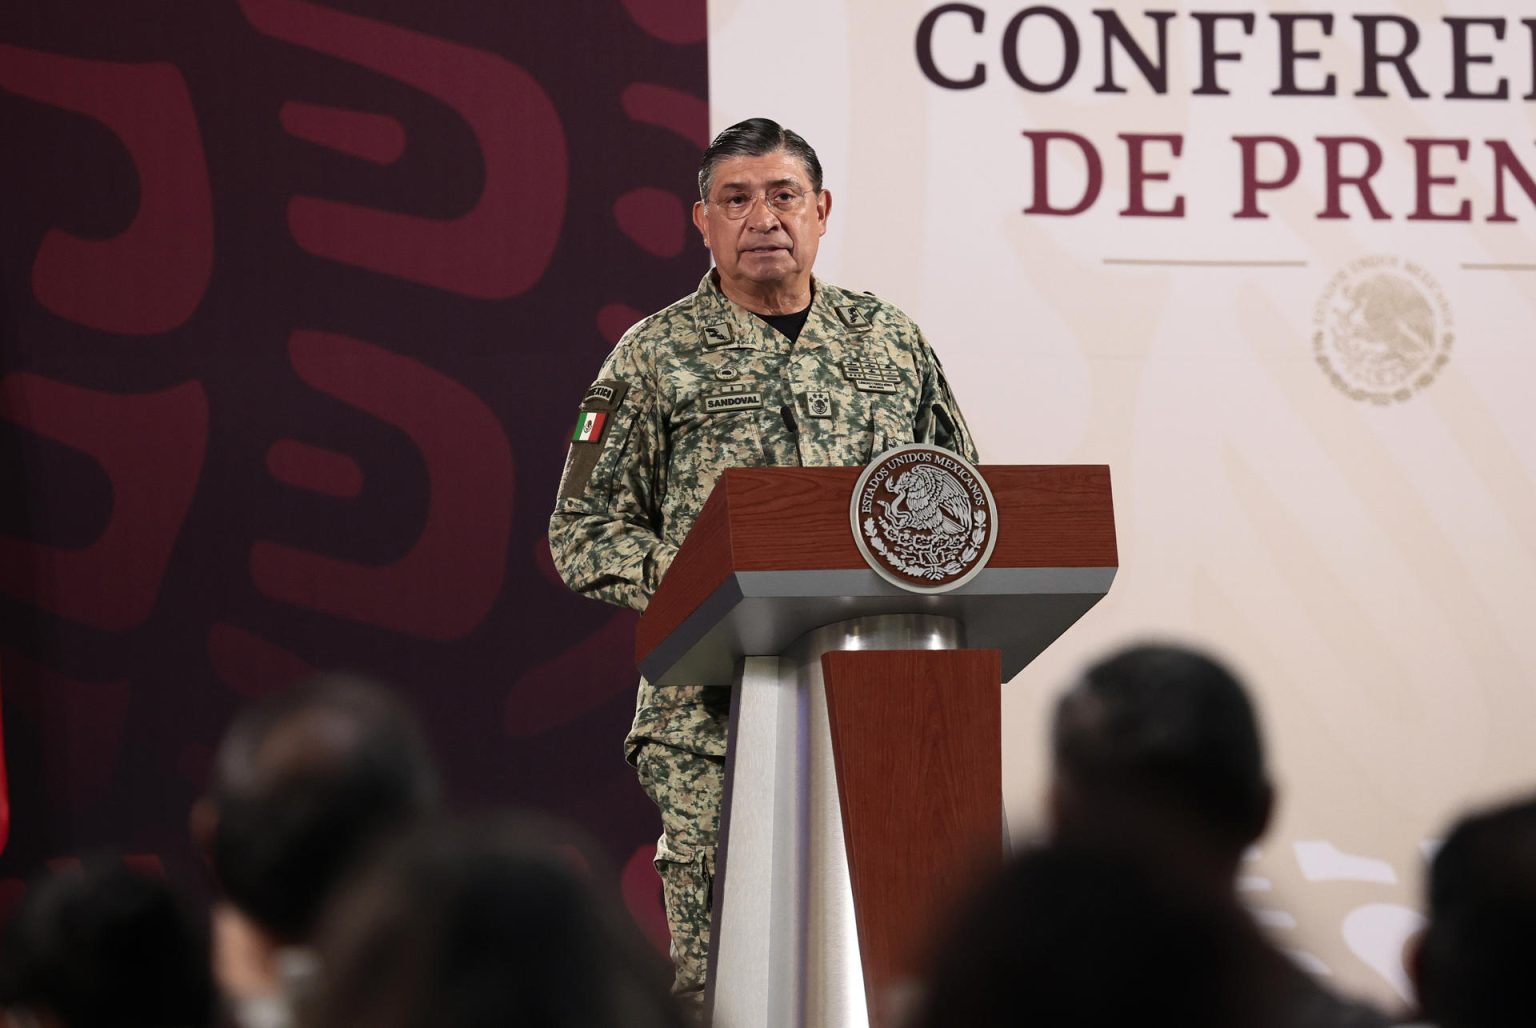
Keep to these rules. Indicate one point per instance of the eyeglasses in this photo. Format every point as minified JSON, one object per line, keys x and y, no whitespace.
{"x":782,"y":199}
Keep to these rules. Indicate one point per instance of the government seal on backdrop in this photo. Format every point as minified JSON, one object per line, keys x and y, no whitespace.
{"x":1382,"y":329}
{"x":924,"y":518}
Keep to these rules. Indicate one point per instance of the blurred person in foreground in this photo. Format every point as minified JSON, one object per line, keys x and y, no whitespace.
{"x":478,"y":923}
{"x":1475,"y":965}
{"x":1156,"y":751}
{"x":104,"y":945}
{"x":1076,"y":936}
{"x":305,"y":784}
{"x":1160,"y":746}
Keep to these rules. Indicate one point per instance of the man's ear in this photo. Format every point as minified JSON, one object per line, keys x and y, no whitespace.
{"x":823,"y":211}
{"x":701,"y":222}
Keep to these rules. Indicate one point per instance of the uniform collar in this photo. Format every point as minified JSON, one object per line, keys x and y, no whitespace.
{"x":824,"y":328}
{"x":715,"y":312}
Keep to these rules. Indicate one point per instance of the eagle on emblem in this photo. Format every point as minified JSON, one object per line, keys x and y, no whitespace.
{"x":934,"y":501}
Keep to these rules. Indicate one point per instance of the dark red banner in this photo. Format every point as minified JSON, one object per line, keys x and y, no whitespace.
{"x":296,"y":304}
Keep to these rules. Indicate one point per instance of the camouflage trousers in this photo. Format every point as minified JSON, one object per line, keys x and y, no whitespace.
{"x":686,"y":787}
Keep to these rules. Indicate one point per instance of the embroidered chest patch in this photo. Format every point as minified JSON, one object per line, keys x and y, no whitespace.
{"x":876,"y":375}
{"x":722,"y":403}
{"x":854,"y":317}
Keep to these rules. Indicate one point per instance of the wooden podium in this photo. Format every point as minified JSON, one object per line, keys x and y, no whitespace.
{"x":863,"y":776}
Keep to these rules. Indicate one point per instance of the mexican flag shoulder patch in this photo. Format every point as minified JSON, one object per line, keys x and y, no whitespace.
{"x":599,"y":406}
{"x":589,"y":426}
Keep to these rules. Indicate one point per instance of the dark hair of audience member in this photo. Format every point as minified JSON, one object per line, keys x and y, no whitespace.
{"x":104,"y":945}
{"x":1156,"y":735}
{"x":305,"y":783}
{"x":1475,"y":962}
{"x":1080,"y":938}
{"x":464,"y":924}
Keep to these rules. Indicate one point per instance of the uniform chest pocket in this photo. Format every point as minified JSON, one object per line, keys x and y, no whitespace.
{"x":717,"y":427}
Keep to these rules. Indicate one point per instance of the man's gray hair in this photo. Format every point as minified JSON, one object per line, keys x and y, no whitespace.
{"x":754,"y":138}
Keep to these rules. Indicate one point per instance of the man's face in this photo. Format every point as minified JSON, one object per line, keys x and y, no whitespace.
{"x":765,"y":250}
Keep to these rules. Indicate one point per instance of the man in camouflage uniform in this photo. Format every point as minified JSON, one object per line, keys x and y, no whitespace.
{"x":762,"y":365}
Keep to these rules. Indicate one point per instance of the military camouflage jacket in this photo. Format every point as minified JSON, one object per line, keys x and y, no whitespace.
{"x":705,"y":385}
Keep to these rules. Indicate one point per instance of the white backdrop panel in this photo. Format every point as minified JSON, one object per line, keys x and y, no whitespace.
{"x":1366,"y":561}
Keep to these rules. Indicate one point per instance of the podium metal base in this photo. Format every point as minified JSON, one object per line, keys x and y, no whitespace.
{"x":785,"y":947}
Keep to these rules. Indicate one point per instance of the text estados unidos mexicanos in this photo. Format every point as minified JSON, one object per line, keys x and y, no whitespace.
{"x":1041,"y":50}
{"x":871,"y":487}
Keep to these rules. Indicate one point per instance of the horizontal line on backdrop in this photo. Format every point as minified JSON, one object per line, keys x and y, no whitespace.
{"x":1499,"y":267}
{"x":1171,"y":262}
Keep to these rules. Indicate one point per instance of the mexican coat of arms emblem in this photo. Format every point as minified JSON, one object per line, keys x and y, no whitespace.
{"x":924,"y":518}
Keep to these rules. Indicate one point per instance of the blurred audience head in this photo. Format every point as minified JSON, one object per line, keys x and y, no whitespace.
{"x":1082,"y":938}
{"x":1159,"y":745}
{"x":304,"y":784}
{"x":104,"y":945}
{"x":465,"y":924}
{"x":1475,"y":962}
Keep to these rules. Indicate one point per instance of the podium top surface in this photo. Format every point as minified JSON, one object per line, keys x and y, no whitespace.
{"x":772,"y":556}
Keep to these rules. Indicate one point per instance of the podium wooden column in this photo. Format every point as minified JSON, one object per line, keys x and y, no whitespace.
{"x":863,"y":775}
